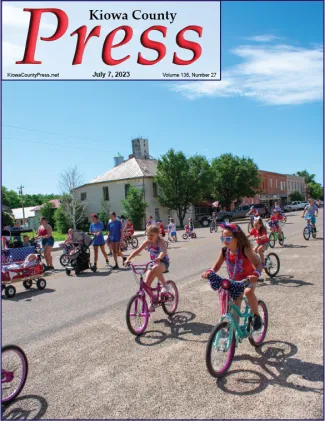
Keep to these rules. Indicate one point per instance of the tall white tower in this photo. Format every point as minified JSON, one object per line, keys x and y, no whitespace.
{"x":140,"y":148}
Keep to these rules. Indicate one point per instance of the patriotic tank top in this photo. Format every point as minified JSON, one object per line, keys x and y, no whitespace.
{"x":154,"y":251}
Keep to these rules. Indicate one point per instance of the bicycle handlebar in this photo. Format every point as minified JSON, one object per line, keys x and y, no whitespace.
{"x":228,"y":283}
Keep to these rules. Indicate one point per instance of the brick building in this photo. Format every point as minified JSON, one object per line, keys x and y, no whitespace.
{"x":273,"y":189}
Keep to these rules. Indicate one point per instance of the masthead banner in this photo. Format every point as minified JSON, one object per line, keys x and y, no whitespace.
{"x":111,"y":40}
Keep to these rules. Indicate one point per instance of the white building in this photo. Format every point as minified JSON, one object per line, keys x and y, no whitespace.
{"x":296,"y":183}
{"x":114,"y":184}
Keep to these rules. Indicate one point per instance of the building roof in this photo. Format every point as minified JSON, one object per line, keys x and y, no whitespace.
{"x":132,"y":168}
{"x":18,"y":213}
{"x":55,"y":202}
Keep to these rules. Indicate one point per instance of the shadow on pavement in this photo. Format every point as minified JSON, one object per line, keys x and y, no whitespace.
{"x":180,"y":324}
{"x":274,"y":359}
{"x":89,"y":273}
{"x":15,"y":410}
{"x":284,"y":280}
{"x":28,"y":294}
{"x":293,"y":246}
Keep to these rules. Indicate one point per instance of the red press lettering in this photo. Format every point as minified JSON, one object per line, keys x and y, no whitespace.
{"x":188,"y":45}
{"x":153,"y":45}
{"x":108,"y":45}
{"x":34,"y":24}
{"x":82,"y":41}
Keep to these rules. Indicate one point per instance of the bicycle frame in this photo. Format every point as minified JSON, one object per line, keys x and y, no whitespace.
{"x":228,"y":308}
{"x":154,"y":293}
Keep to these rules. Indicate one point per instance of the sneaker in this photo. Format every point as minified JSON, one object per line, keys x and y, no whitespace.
{"x":257,"y":322}
{"x":116,"y":266}
{"x":124,"y":259}
{"x":107,"y":262}
{"x":165,"y":289}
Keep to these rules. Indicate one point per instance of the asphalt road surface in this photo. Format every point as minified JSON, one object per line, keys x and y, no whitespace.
{"x":84,"y":363}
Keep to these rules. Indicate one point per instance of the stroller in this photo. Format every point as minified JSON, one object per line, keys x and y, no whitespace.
{"x":79,"y":254}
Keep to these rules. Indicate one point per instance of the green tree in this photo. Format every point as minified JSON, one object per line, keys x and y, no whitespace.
{"x":6,"y":219}
{"x":104,"y":212}
{"x":10,"y":198}
{"x":234,"y":178}
{"x":61,"y":222}
{"x":296,"y":196}
{"x":316,"y":190}
{"x":182,"y":181}
{"x":48,"y":212}
{"x":309,"y":178}
{"x":135,"y":206}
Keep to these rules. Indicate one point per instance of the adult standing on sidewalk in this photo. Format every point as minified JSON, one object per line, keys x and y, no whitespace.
{"x":97,"y":228}
{"x":114,"y":232}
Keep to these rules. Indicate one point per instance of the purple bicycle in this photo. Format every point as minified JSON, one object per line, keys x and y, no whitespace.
{"x":14,"y":372}
{"x":137,"y":312}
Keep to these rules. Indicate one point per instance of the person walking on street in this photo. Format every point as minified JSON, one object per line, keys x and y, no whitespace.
{"x":97,"y":228}
{"x":44,"y":233}
{"x":115,"y":232}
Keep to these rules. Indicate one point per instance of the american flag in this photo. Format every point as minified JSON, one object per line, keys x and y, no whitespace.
{"x":18,"y":254}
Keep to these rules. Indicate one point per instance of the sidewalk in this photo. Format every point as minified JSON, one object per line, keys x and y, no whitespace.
{"x":136,"y":234}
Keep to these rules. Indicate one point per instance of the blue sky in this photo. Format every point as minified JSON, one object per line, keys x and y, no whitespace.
{"x":268,"y":106}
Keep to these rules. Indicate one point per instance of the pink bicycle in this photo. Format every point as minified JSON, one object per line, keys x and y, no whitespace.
{"x":137,"y":312}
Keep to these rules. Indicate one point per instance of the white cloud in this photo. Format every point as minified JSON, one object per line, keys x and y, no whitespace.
{"x":11,"y":53}
{"x":272,"y":75}
{"x":262,"y":38}
{"x":15,"y":16}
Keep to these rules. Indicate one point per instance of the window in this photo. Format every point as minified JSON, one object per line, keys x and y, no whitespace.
{"x":291,"y":185}
{"x":83,"y":196}
{"x":284,"y":185}
{"x":270,"y":182}
{"x":276,"y":183}
{"x":280,"y":185}
{"x":157,"y":214}
{"x":155,"y":190}
{"x":126,"y":187}
{"x":105,"y":193}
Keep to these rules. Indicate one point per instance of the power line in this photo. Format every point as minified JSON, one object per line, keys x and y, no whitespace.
{"x":51,"y":133}
{"x":49,"y":144}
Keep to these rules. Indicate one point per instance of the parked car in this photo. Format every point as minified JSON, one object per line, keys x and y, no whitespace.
{"x":240,"y":212}
{"x":296,"y":205}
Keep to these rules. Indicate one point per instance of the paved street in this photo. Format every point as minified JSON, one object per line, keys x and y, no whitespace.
{"x":84,"y":363}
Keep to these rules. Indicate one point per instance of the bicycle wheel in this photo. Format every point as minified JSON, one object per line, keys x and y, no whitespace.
{"x":249,"y":227}
{"x":314,"y":233}
{"x":64,"y":260}
{"x":220,"y":346}
{"x":281,"y":238}
{"x":306,"y":233}
{"x":272,"y":239}
{"x":185,"y":236}
{"x":14,"y":372}
{"x":170,"y":300}
{"x":211,"y":228}
{"x":137,"y":312}
{"x":258,"y":336}
{"x":272,"y":264}
{"x":134,"y":242}
{"x":123,"y":245}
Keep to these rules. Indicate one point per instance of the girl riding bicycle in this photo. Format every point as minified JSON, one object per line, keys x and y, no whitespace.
{"x":158,"y":255}
{"x":260,"y":235}
{"x":241,"y":263}
{"x":273,"y":223}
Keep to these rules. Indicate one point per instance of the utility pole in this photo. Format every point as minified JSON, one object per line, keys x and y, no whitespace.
{"x":20,"y":190}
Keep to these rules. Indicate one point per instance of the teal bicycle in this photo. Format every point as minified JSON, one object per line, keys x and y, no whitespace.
{"x":309,"y":229}
{"x":234,"y":326}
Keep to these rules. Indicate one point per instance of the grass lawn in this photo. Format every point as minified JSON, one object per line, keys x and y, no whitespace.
{"x":56,"y":235}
